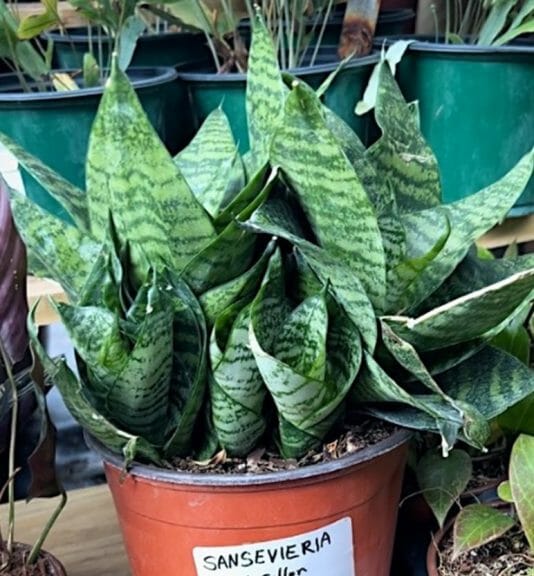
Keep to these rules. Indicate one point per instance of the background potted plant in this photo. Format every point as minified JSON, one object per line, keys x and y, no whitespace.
{"x":39,"y":106}
{"x":479,"y":61}
{"x":271,"y":300}
{"x":492,"y":539}
{"x":20,"y":394}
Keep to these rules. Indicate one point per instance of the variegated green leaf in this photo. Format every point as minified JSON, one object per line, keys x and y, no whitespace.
{"x":327,"y":186}
{"x":522,"y":483}
{"x":80,"y":406}
{"x":469,"y":219}
{"x":478,"y":524}
{"x":189,"y":369}
{"x":237,"y":388}
{"x":66,"y":253}
{"x":274,"y":218}
{"x":491,"y":381}
{"x":71,"y":198}
{"x":401,"y":155}
{"x":479,"y":313}
{"x":216,"y":300}
{"x":265,"y":93}
{"x":130,"y":173}
{"x":442,"y":480}
{"x":214,"y":144}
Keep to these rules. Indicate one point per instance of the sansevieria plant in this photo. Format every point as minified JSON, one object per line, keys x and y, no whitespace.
{"x":225,"y":301}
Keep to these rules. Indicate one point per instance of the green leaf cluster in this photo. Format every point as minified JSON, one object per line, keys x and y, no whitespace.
{"x":226,"y":300}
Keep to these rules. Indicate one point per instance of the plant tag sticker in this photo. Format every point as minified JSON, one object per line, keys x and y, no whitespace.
{"x":328,"y":550}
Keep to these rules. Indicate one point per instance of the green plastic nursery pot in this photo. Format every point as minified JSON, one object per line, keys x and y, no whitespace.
{"x":477,"y":111}
{"x":168,"y":49}
{"x":336,"y":518}
{"x":55,"y":126}
{"x":207,"y":91}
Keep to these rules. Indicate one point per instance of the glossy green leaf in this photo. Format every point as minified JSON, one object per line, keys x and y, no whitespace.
{"x":478,"y":524}
{"x":519,"y":417}
{"x":71,"y":198}
{"x":504,"y":491}
{"x":214,"y":144}
{"x":522,"y":484}
{"x":401,"y":155}
{"x":442,"y":480}
{"x":66,"y":253}
{"x":237,"y":390}
{"x":265,"y":93}
{"x":479,"y":313}
{"x":129,"y":33}
{"x":327,"y":186}
{"x":130,"y":173}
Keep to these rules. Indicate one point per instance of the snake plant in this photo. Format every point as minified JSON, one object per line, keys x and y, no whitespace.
{"x":220,"y":300}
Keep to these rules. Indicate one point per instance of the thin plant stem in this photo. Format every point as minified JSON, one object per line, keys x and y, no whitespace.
{"x":12,"y":445}
{"x":447,"y":20}
{"x":35,"y":551}
{"x":321,"y":33}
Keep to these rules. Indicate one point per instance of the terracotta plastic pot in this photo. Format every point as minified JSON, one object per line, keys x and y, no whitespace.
{"x":336,"y":518}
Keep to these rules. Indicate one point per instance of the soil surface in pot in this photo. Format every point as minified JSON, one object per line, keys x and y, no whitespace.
{"x":507,"y":556}
{"x":353,"y":439}
{"x":43,"y":567}
{"x":487,"y":471}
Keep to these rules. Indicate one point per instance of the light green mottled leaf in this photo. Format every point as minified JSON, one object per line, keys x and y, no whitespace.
{"x":130,"y":172}
{"x":476,"y":314}
{"x":66,"y":253}
{"x":504,"y":492}
{"x":265,"y":93}
{"x":71,"y":198}
{"x":478,"y":524}
{"x":469,"y":218}
{"x":327,"y":186}
{"x":522,"y":483}
{"x":237,"y":389}
{"x":442,"y":480}
{"x":80,"y":406}
{"x":208,"y":161}
{"x":401,"y":155}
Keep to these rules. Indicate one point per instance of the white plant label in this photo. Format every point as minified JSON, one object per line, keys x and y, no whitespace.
{"x":326,"y":551}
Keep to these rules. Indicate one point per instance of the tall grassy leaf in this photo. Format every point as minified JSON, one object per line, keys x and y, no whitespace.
{"x":327,"y":186}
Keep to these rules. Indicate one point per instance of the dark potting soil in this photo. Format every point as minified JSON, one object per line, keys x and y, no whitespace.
{"x":486,"y":471}
{"x":507,"y":556}
{"x":259,"y":461}
{"x":17,"y":564}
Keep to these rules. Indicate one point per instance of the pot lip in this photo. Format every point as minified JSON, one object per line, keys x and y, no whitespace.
{"x":429,"y":44}
{"x":231,"y":77}
{"x":153,"y":76}
{"x":83,"y":37}
{"x":153,"y":473}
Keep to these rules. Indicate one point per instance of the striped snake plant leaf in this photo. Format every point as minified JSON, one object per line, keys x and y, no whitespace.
{"x":215,"y":145}
{"x":490,"y":380}
{"x":265,"y":95}
{"x":138,"y":399}
{"x":66,"y":253}
{"x":217,"y":299}
{"x":72,"y":199}
{"x":130,"y":172}
{"x":237,"y":388}
{"x":230,"y":254}
{"x":469,"y":218}
{"x":96,"y":335}
{"x":274,"y":218}
{"x":374,"y":184}
{"x":401,"y":155}
{"x":483,"y":312}
{"x":404,"y":275}
{"x":327,"y":186}
{"x":80,"y":406}
{"x":189,"y":369}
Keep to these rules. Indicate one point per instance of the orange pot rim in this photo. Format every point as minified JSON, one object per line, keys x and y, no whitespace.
{"x":155,"y":474}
